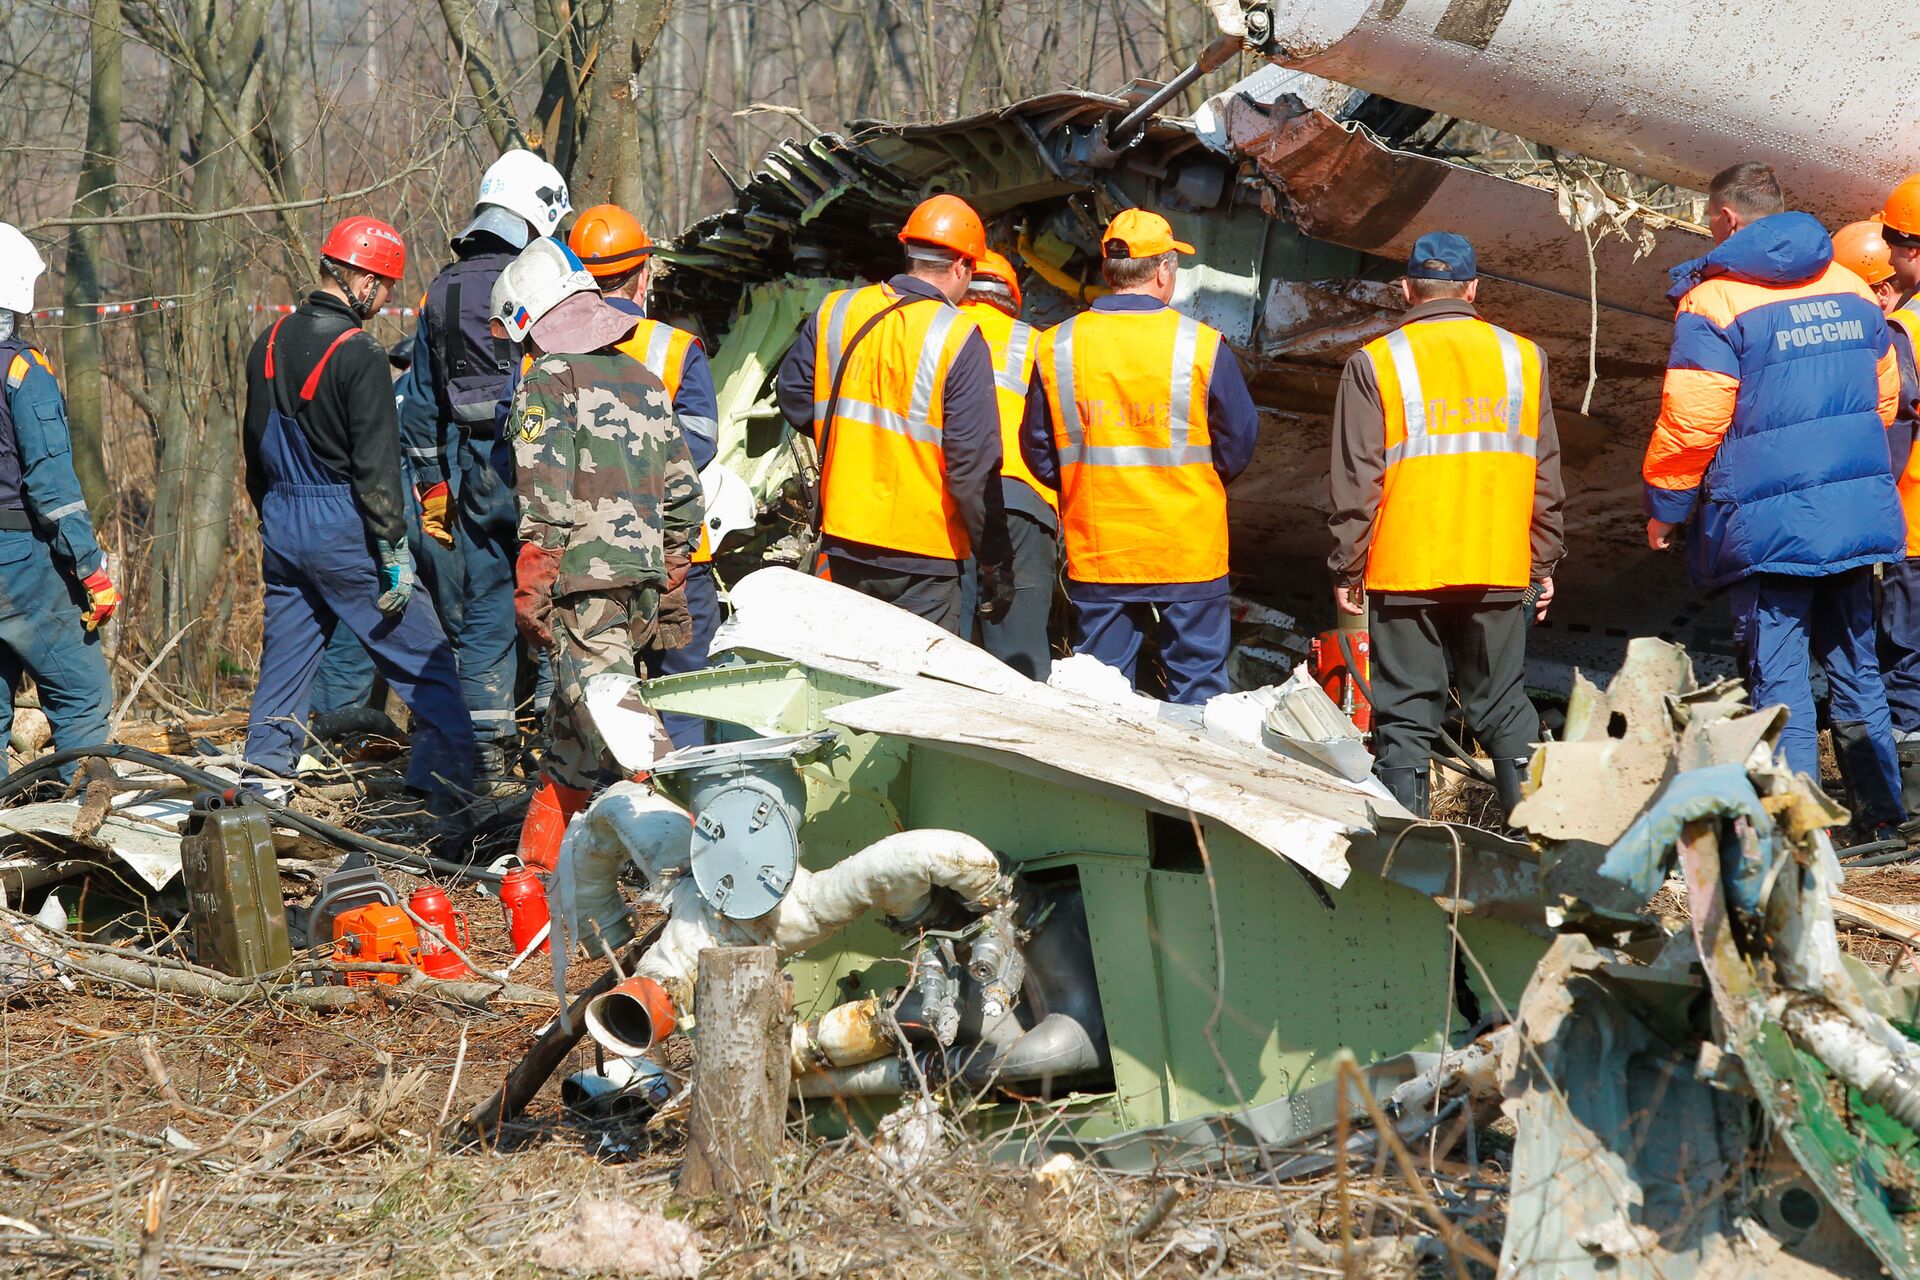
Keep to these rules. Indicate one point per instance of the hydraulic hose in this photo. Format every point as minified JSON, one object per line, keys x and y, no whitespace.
{"x":319,"y":828}
{"x":1467,"y":764}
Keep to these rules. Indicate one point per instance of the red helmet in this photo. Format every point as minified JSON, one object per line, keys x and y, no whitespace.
{"x":366,"y":243}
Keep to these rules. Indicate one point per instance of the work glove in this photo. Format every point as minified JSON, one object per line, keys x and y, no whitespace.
{"x":672,"y":625}
{"x":396,"y":576}
{"x":433,"y":514}
{"x":102,"y":598}
{"x":534,"y":574}
{"x":996,"y":591}
{"x":677,"y":567}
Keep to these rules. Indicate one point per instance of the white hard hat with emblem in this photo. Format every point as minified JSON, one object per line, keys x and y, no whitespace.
{"x":519,"y":188}
{"x":20,"y":265}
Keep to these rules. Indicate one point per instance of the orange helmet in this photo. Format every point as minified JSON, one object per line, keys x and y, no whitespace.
{"x":1902,"y":214}
{"x":948,"y":222}
{"x":994,"y":266}
{"x":1861,"y":249}
{"x":609,"y":241}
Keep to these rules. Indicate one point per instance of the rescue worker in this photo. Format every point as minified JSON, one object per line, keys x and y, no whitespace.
{"x":1446,"y":515}
{"x":1018,"y":639}
{"x":55,"y":593}
{"x":618,"y":253}
{"x":323,"y":471}
{"x":1862,"y":248}
{"x":896,"y":385}
{"x":1139,"y":419}
{"x":447,"y":425}
{"x":1771,"y":446}
{"x":609,"y":511}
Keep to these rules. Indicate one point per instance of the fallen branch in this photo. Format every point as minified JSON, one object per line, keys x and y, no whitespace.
{"x":1901,"y":926}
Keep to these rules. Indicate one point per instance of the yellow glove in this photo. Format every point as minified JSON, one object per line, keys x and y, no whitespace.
{"x":433,"y":514}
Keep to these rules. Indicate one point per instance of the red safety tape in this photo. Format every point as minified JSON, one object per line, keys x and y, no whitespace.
{"x":254,"y":308}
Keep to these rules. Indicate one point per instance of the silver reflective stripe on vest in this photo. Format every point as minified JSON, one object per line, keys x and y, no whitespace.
{"x":915,"y":424}
{"x":1012,"y":373}
{"x":1178,"y":451}
{"x":657,"y":344}
{"x":475,"y":412}
{"x":1424,"y":442}
{"x":836,"y":328}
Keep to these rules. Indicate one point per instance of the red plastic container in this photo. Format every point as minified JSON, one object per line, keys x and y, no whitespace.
{"x":525,"y":901}
{"x":430,"y":903}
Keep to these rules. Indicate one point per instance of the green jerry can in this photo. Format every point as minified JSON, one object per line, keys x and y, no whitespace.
{"x":233,"y":886}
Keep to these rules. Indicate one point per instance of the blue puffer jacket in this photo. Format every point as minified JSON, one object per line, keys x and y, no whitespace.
{"x":1772,"y":431}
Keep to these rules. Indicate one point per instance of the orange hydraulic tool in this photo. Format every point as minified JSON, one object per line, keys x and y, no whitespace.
{"x":380,"y":933}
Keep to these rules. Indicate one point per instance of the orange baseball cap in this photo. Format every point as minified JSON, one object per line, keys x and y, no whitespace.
{"x":1136,"y":233}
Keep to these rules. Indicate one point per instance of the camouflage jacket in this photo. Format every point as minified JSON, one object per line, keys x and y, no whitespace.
{"x":602,"y":471}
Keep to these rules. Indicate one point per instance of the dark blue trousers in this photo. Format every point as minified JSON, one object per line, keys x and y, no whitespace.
{"x":346,"y":676}
{"x":1783,"y":622}
{"x":1900,"y":642}
{"x":1194,"y":635}
{"x":703,"y":602}
{"x":41,"y":634}
{"x":472,"y":587}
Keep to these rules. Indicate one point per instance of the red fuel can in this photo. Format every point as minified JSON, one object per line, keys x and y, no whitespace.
{"x":1327,"y":660}
{"x":525,"y":902}
{"x":431,"y":904}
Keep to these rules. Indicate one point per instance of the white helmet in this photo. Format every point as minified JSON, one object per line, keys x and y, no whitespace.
{"x":545,"y":275}
{"x":523,"y":184}
{"x":20,"y":266}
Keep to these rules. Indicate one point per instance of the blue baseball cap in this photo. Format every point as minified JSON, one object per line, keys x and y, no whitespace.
{"x":1441,"y":255}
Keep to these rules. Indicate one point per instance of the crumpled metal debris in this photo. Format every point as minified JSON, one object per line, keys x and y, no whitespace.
{"x":1718,"y":1101}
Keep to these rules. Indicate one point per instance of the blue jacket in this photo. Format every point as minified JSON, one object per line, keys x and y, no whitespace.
{"x":1772,"y":432}
{"x":49,"y":489}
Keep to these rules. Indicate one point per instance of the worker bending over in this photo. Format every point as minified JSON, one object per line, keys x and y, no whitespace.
{"x":1862,"y":248}
{"x":609,"y":510}
{"x":1139,"y":419}
{"x":896,"y":385}
{"x":447,"y":424}
{"x":54,"y":590}
{"x":1446,"y":509}
{"x":1019,"y":637}
{"x":618,"y":253}
{"x":1771,"y":445}
{"x":323,"y":471}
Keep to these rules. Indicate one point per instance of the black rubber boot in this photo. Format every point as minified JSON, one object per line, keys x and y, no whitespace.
{"x":1408,"y":786}
{"x":1860,"y":777}
{"x":1909,"y":756}
{"x":1509,"y":775}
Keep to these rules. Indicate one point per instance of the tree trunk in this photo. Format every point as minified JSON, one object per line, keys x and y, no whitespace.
{"x":80,"y":353}
{"x":608,"y":164}
{"x":740,"y":1073}
{"x":482,"y":76}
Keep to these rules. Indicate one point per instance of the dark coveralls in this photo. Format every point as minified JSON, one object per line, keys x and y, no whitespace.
{"x":697,"y":409}
{"x":323,"y":472}
{"x":46,"y":549}
{"x":447,"y":401}
{"x":926,"y":586}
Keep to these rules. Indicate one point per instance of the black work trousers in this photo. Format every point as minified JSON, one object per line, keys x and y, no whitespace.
{"x":1413,"y":648}
{"x":933,"y":597}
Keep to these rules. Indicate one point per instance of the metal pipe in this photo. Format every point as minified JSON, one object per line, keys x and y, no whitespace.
{"x":1212,"y":58}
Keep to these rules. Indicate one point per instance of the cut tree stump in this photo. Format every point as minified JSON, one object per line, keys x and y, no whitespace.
{"x":740,"y":1073}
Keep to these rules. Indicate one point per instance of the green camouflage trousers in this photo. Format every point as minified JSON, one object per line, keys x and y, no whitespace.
{"x":597,"y":633}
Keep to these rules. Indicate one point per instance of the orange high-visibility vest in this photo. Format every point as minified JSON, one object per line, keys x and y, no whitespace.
{"x":1140,"y":501}
{"x":663,"y":349}
{"x":1462,"y":404}
{"x":1908,"y":483}
{"x":883,"y":470}
{"x":1014,"y":346}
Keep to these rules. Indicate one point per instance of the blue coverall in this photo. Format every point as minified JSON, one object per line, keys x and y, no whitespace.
{"x":320,"y":571}
{"x":41,"y":568}
{"x":471,"y":581}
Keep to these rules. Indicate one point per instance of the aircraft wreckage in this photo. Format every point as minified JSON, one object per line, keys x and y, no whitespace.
{"x":1174,"y":935}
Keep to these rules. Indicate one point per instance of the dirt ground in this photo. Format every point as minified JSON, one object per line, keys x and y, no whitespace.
{"x":157,"y":1135}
